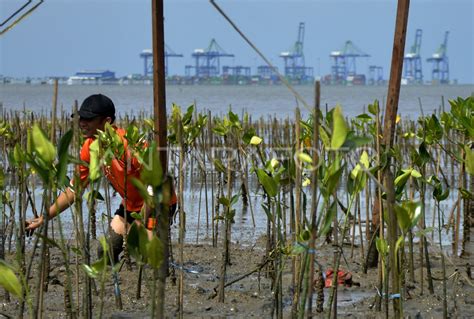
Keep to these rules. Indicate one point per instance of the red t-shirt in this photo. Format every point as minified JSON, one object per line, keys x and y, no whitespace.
{"x":115,"y":173}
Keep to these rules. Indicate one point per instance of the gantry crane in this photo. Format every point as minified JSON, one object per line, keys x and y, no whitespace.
{"x":207,"y":61}
{"x":147,"y":56}
{"x":440,"y":62}
{"x":295,"y":68}
{"x":375,"y":75}
{"x":412,"y":61}
{"x":344,"y":63}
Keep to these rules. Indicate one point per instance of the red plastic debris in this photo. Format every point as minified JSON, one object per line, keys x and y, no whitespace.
{"x":344,"y":278}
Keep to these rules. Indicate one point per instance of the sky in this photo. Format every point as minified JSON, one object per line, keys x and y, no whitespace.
{"x":62,"y":37}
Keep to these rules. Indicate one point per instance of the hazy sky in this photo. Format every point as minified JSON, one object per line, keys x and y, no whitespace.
{"x":64,"y":36}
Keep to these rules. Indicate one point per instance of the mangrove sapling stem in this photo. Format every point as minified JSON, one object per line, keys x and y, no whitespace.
{"x":117,"y":292}
{"x":204,"y":176}
{"x":297,"y":261}
{"x":305,"y":284}
{"x":42,"y":270}
{"x":68,"y":296}
{"x":182,"y":154}
{"x":462,"y":184}
{"x":361,"y":234}
{"x":20,"y":251}
{"x":3,"y":226}
{"x":139,"y":283}
{"x":357,"y":209}
{"x":411,"y":261}
{"x":314,"y":193}
{"x":227,"y":229}
{"x":443,"y":265}
{"x":424,"y":252}
{"x":208,"y":153}
{"x":199,"y":209}
{"x":392,"y":238}
{"x":332,"y":302}
{"x":377,"y":205}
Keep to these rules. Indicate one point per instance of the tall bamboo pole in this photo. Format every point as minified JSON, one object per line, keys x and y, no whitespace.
{"x":159,"y":110}
{"x":389,"y":132}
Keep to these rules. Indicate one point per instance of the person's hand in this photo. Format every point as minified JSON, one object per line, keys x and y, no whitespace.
{"x":32,"y":224}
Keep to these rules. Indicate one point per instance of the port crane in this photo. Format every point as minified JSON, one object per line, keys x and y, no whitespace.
{"x":344,"y":62}
{"x":412,"y":61}
{"x":207,"y":61}
{"x":440,"y":63}
{"x":147,"y":56}
{"x":294,"y":59}
{"x":375,"y":75}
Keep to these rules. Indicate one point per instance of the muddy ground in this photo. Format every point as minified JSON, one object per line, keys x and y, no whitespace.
{"x":251,"y":297}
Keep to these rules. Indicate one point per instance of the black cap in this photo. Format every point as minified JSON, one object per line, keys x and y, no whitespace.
{"x":97,"y":105}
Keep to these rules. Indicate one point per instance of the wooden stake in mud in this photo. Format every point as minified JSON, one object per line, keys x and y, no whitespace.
{"x":159,"y":110}
{"x":389,"y":132}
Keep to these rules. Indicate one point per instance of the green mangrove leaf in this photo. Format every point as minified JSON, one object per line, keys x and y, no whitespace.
{"x":328,"y":219}
{"x":90,"y":271}
{"x":424,"y":232}
{"x":255,"y":140}
{"x":424,"y":154}
{"x":304,"y":235}
{"x":136,"y":216}
{"x":323,"y":135}
{"x":188,"y":115}
{"x":469,"y":159}
{"x":100,"y":265}
{"x":298,"y":249}
{"x":234,"y":119}
{"x":142,"y":190}
{"x":219,"y":166}
{"x":267,"y":211}
{"x":224,"y":201}
{"x":8,"y":280}
{"x":340,"y":129}
{"x":414,"y":210}
{"x":234,"y":199}
{"x":364,"y":117}
{"x":42,"y":172}
{"x":304,"y":157}
{"x":274,"y":163}
{"x":268,"y":183}
{"x":94,"y":164}
{"x":400,"y":242}
{"x":143,"y":241}
{"x":466,"y":194}
{"x":42,"y":146}
{"x":133,"y":242}
{"x":306,"y":182}
{"x":155,"y":252}
{"x":2,"y":179}
{"x":247,"y":137}
{"x":333,"y":179}
{"x":382,"y":246}
{"x":403,"y":178}
{"x":403,"y":218}
{"x":354,"y":141}
{"x":132,"y":135}
{"x":152,"y":173}
{"x":374,"y":108}
{"x":63,"y":157}
{"x":18,"y":154}
{"x":414,"y":173}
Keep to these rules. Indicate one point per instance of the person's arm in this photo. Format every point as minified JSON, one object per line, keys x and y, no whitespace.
{"x":64,"y":200}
